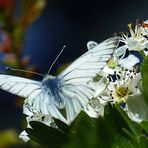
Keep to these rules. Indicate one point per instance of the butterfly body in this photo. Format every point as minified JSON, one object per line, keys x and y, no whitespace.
{"x":52,"y":85}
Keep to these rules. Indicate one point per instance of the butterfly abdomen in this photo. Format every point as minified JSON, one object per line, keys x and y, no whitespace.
{"x":53,"y":88}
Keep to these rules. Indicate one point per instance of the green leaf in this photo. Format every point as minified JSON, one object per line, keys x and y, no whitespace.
{"x":143,"y":142}
{"x":62,"y":126}
{"x":82,"y":132}
{"x":104,"y":133}
{"x":113,"y":118}
{"x":144,"y":125}
{"x":46,"y":135}
{"x":120,"y":129}
{"x":132,"y":126}
{"x":114,"y":130}
{"x":80,"y":120}
{"x":122,"y":142}
{"x":144,"y":74}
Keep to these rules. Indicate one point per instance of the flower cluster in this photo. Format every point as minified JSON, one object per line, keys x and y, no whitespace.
{"x":121,"y":82}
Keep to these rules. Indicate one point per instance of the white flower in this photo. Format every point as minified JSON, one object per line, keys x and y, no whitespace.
{"x":35,"y":116}
{"x":125,"y":88}
{"x":137,"y":108}
{"x":91,"y":45}
{"x":94,"y":108}
{"x":146,"y":52}
{"x":122,"y":85}
{"x":24,"y":136}
{"x":118,"y":63}
{"x":136,"y":42}
{"x":145,"y":33}
{"x":125,"y":85}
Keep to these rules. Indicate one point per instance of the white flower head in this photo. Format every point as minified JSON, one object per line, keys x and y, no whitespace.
{"x":95,"y":107}
{"x":121,"y":85}
{"x":24,"y":136}
{"x":117,"y":63}
{"x":126,"y":88}
{"x":125,"y":85}
{"x":135,"y":42}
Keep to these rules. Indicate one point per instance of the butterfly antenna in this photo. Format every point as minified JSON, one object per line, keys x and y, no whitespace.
{"x":20,"y":70}
{"x":56,"y":58}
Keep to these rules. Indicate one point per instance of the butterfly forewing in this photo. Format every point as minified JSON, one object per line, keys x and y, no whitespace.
{"x":101,"y":54}
{"x":19,"y":86}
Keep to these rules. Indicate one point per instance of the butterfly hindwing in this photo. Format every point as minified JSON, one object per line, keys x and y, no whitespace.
{"x":37,"y":99}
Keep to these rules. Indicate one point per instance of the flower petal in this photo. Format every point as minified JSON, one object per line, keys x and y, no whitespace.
{"x":94,"y":109}
{"x":100,"y":86}
{"x":120,"y":51}
{"x":106,"y":70}
{"x":136,"y":108}
{"x":129,"y":62}
{"x":26,"y":111}
{"x":91,"y":45}
{"x":145,"y":52}
{"x":24,"y":136}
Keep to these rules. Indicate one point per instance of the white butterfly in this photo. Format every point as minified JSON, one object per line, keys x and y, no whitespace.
{"x":69,"y":91}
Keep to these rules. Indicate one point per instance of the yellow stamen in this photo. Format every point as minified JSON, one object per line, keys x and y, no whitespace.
{"x":120,"y":94}
{"x":121,"y":91}
{"x":111,"y":63}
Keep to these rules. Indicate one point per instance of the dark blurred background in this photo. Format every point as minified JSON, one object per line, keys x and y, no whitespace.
{"x":72,"y":23}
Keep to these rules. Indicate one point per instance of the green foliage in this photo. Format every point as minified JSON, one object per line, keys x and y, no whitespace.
{"x":144,"y":125}
{"x":114,"y":130}
{"x":143,"y":142}
{"x":46,"y":135}
{"x":144,"y":74}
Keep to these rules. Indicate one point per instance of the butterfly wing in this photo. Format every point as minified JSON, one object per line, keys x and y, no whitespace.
{"x":76,"y":80}
{"x":19,"y":86}
{"x":37,"y":99}
{"x":76,"y":88}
